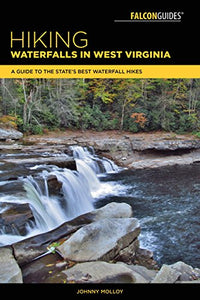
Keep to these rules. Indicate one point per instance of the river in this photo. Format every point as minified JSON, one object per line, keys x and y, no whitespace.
{"x":167,"y":203}
{"x":165,"y":200}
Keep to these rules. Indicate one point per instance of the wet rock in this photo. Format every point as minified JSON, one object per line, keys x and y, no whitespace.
{"x":9,"y":270}
{"x":54,"y":185}
{"x":150,"y":151}
{"x":100,"y":240}
{"x":28,"y":249}
{"x":43,"y":269}
{"x":61,"y":161}
{"x":14,"y":217}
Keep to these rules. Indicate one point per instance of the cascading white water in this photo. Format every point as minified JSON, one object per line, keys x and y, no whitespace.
{"x":99,"y":165}
{"x":50,"y":212}
{"x":78,"y":187}
{"x":46,"y":210}
{"x":88,"y":175}
{"x":78,"y":191}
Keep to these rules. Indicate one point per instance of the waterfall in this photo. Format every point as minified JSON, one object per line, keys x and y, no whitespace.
{"x":88,"y":175}
{"x":78,"y":188}
{"x":76,"y":192}
{"x":99,"y":165}
{"x":46,"y":210}
{"x":49,"y":211}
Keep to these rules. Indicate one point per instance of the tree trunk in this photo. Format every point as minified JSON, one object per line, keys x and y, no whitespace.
{"x":25,"y":106}
{"x":122,"y":117}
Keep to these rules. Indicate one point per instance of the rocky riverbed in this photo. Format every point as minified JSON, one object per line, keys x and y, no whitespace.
{"x":101,"y":246}
{"x":136,"y":151}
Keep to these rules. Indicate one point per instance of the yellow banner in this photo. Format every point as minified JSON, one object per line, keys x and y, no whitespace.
{"x":100,"y":71}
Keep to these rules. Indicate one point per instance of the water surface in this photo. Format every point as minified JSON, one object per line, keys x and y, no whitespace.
{"x":167,"y":203}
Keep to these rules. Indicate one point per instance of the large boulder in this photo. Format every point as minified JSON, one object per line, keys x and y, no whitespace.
{"x":188,"y":273}
{"x":164,"y":144}
{"x":10,"y":134}
{"x":28,"y":249}
{"x":15,"y":217}
{"x":141,"y":273}
{"x":99,"y":272}
{"x":101,"y":240}
{"x":168,"y":160}
{"x":110,"y":145}
{"x":9,"y":270}
{"x":177,"y":272}
{"x":61,"y":161}
{"x":166,"y":275}
{"x":112,"y":210}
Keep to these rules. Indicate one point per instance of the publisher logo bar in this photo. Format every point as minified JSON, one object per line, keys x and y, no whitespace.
{"x":151,"y":17}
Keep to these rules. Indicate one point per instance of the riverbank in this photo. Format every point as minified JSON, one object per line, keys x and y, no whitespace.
{"x":131,"y":150}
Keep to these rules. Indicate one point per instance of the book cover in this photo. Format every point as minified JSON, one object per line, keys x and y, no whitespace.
{"x":99,"y":147}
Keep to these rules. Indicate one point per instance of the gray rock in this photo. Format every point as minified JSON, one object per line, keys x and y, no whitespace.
{"x":6,"y":134}
{"x":9,"y":269}
{"x":164,"y":144}
{"x":147,"y":274}
{"x":112,"y":210}
{"x":111,"y":145}
{"x":187,"y":271}
{"x":128,"y":253}
{"x":99,"y":272}
{"x":178,"y":272}
{"x":15,"y":217}
{"x":184,"y":159}
{"x":6,"y":147}
{"x":61,"y":161}
{"x":28,"y":249}
{"x":166,"y":274}
{"x":100,"y":240}
{"x":141,"y":273}
{"x":189,"y":281}
{"x":144,"y":257}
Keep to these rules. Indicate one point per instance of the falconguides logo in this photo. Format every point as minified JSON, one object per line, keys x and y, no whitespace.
{"x":154,"y":16}
{"x":160,"y":16}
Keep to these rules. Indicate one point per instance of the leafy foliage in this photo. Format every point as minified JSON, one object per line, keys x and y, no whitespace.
{"x":8,"y":121}
{"x":35,"y":105}
{"x":139,"y":118}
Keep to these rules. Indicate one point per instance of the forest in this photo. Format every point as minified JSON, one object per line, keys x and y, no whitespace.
{"x":35,"y":106}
